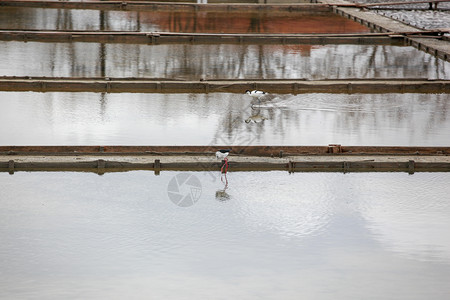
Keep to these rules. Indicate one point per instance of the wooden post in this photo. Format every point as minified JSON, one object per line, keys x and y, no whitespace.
{"x":157,"y":167}
{"x":11,"y":167}
{"x":101,"y":165}
{"x":411,"y":167}
{"x":346,"y":166}
{"x":291,"y":166}
{"x":334,"y":148}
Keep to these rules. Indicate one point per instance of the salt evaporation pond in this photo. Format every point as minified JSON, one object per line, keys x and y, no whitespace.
{"x":56,"y":118}
{"x":269,"y":235}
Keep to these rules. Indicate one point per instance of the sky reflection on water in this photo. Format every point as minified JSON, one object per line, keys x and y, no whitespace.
{"x":309,"y":235}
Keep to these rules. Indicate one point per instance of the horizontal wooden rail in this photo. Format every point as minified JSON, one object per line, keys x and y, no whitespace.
{"x":200,"y":34}
{"x":157,"y":38}
{"x":174,"y":37}
{"x":294,"y":86}
{"x":268,"y":151}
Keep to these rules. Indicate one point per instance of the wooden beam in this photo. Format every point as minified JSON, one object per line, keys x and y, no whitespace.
{"x":268,"y":151}
{"x":101,"y":166}
{"x":198,"y":38}
{"x":158,"y":85}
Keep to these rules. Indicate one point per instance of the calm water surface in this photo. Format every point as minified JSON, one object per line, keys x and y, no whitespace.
{"x":311,"y":235}
{"x":212,"y":22}
{"x":220,"y":118}
{"x":193,"y":62}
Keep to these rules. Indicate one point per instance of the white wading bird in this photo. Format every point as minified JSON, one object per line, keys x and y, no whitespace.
{"x":255,"y":93}
{"x":258,"y":95}
{"x":222,"y":154}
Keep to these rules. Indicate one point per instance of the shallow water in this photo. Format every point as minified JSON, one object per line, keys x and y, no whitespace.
{"x":220,"y":119}
{"x":312,"y":235}
{"x":212,"y":22}
{"x":193,"y":62}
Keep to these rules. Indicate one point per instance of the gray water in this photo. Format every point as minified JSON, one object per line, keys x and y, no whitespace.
{"x":220,"y":118}
{"x":194,"y":62}
{"x":310,"y":235}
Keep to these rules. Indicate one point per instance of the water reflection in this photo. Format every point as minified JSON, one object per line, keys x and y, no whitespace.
{"x":212,"y":22}
{"x":398,"y":222}
{"x":221,"y":194}
{"x":255,"y":118}
{"x":218,"y":61}
{"x":95,"y":236}
{"x":202,"y":119}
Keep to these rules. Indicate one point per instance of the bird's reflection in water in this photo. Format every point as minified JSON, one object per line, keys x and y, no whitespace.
{"x":256,"y":117}
{"x":261,"y":98}
{"x":222,"y":195}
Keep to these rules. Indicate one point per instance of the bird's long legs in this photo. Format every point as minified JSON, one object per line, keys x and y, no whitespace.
{"x":224,"y":165}
{"x":226,"y":180}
